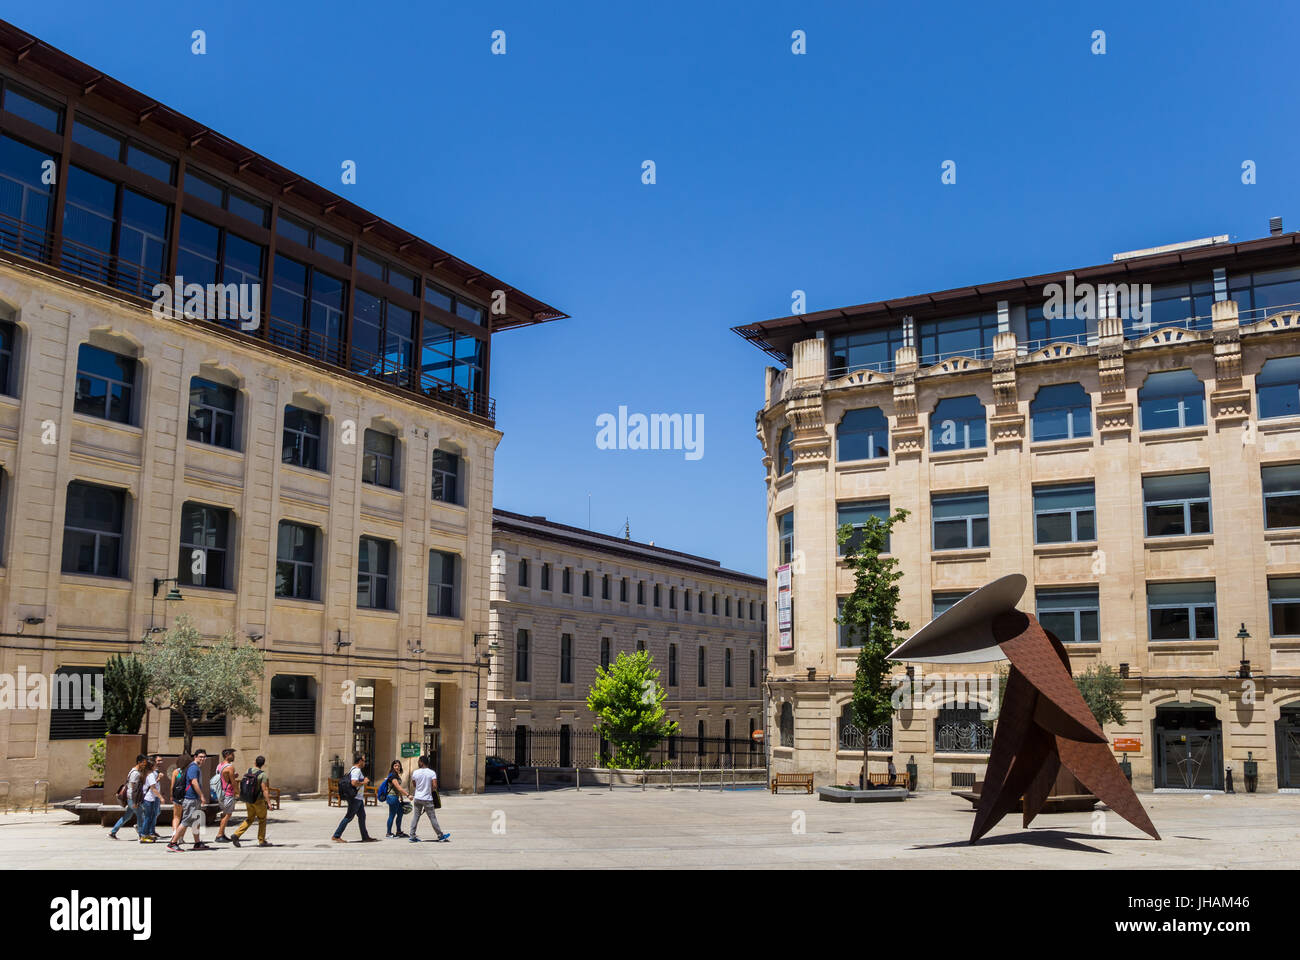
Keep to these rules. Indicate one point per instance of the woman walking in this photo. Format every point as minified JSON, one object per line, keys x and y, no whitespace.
{"x":396,"y":797}
{"x":152,"y":805}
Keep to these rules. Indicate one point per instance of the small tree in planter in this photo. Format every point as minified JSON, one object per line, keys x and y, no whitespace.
{"x":1100,"y":687}
{"x":870,"y":619}
{"x":96,"y":762}
{"x":213,"y":680}
{"x":126,"y":687}
{"x":628,"y":702}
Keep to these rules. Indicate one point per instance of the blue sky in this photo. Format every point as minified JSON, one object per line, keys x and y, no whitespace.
{"x":775,"y":172}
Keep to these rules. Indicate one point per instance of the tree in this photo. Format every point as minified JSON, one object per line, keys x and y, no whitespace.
{"x":870,"y":619}
{"x":628,"y":702}
{"x":125,"y":694}
{"x":1101,"y":686}
{"x":212,"y":680}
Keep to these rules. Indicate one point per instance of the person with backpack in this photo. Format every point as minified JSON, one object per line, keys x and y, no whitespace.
{"x":352,"y":791}
{"x":224,"y":791}
{"x":176,"y":788}
{"x":192,"y":801}
{"x":424,"y":784}
{"x":130,"y":794}
{"x":152,"y":804}
{"x":391,"y":791}
{"x":255,"y":791}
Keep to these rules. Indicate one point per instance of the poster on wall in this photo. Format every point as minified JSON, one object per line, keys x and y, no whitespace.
{"x":784,"y":611}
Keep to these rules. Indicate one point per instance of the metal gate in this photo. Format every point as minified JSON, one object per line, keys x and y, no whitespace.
{"x":1190,"y":759}
{"x":1288,"y":751}
{"x":363,"y":741}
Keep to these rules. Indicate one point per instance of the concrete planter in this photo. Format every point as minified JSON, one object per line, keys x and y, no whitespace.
{"x":848,"y":795}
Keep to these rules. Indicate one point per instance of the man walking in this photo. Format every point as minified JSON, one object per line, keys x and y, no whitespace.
{"x":227,"y":794}
{"x":424,"y":784}
{"x":192,"y":805}
{"x":352,"y":790}
{"x":256,"y":809}
{"x":134,"y":797}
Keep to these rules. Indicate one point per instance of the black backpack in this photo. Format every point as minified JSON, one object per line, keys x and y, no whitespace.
{"x":179,"y":784}
{"x":250,"y":786}
{"x":347,"y":792}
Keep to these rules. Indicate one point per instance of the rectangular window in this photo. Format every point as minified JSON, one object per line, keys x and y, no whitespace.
{"x":92,"y":530}
{"x":377,"y":463}
{"x":970,"y":336}
{"x":604,"y":587}
{"x":105,"y":384}
{"x":566,"y":658}
{"x":546,"y":576}
{"x":845,"y":636}
{"x":1284,"y":606}
{"x":785,"y":524}
{"x":205,"y":545}
{"x":521,"y":657}
{"x":726,"y":667}
{"x":640,"y":592}
{"x":868,"y":350}
{"x":586,"y":583}
{"x":1070,"y":613}
{"x":523,"y":573}
{"x":672,"y":664}
{"x":701,"y":677}
{"x":32,"y":107}
{"x":442,"y":585}
{"x":295,"y":561}
{"x":113,"y":234}
{"x":1177,"y":506}
{"x":1065,"y":513}
{"x":307,"y":311}
{"x":293,"y":705}
{"x":1281,"y":495}
{"x":656,"y":595}
{"x":622,"y":590}
{"x":446,"y":480}
{"x":199,"y":727}
{"x":72,"y":697}
{"x":1182,"y":611}
{"x":212,"y":413}
{"x":302,"y":439}
{"x":1265,"y":292}
{"x":7,"y":380}
{"x":566,"y":580}
{"x":855,"y":515}
{"x":960,"y":520}
{"x":1043,"y":329}
{"x":373,"y":559}
{"x":941,"y":603}
{"x":26,"y":202}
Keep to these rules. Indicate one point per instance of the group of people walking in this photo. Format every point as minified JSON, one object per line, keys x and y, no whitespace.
{"x":422,"y":798}
{"x":146,"y":787}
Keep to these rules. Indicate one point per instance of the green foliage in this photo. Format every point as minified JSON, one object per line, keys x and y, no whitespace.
{"x":870,"y":615}
{"x":96,"y":762}
{"x":219,"y":678}
{"x":627,"y":700}
{"x":1101,"y":687}
{"x":125,"y":694}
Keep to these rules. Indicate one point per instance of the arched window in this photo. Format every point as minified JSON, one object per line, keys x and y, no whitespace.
{"x":961,"y":730}
{"x":1277,"y":387}
{"x":862,"y":435}
{"x":1172,"y":399}
{"x":787,"y":725}
{"x":784,"y":460}
{"x":1060,"y":412}
{"x":957,"y":424}
{"x":850,"y":737}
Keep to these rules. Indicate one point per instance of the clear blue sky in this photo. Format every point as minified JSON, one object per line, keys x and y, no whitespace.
{"x":775,"y":172}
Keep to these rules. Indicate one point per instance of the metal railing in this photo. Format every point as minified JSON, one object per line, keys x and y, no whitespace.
{"x":876,"y":366}
{"x":879,"y":738}
{"x":967,"y":736}
{"x":585,"y":749}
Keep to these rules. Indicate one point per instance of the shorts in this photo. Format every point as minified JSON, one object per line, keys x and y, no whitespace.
{"x":192,"y":813}
{"x":228,"y":805}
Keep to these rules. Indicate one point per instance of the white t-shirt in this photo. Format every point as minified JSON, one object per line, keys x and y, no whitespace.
{"x":356,"y":776}
{"x":424,"y":780}
{"x":132,"y":779}
{"x":150,"y":785}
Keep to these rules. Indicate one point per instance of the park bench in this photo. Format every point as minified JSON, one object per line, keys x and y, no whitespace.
{"x":273,"y":798}
{"x":804,"y":780}
{"x":370,"y":795}
{"x":882,"y":780}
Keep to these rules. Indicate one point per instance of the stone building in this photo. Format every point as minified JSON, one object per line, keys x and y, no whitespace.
{"x":1141,"y":470}
{"x":565,"y":600}
{"x":313,"y":474}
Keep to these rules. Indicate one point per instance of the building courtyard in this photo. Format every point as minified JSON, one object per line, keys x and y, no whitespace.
{"x":689,"y":829}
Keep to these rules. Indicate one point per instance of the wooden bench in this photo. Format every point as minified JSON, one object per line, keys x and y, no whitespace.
{"x":273,"y":798}
{"x":882,"y":780}
{"x":370,"y":795}
{"x":804,"y":780}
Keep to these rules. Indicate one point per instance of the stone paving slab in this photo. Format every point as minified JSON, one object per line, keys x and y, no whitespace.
{"x":745,"y":829}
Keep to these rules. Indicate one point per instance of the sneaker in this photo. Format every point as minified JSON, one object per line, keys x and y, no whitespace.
{"x":265,"y":843}
{"x":174,"y":848}
{"x":399,"y":833}
{"x":112,"y":835}
{"x":445,"y":838}
{"x":223,"y":839}
{"x":414,"y":839}
{"x":235,"y":842}
{"x":338,"y":839}
{"x":200,"y":845}
{"x":369,"y":839}
{"x":389,"y":836}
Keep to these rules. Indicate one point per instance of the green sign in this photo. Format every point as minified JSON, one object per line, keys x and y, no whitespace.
{"x":410,"y":750}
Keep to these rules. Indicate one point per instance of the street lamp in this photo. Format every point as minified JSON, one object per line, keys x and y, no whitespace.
{"x":172,"y":596}
{"x":1243,"y":636}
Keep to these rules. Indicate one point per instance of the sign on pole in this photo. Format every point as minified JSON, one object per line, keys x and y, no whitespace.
{"x":410,"y":749}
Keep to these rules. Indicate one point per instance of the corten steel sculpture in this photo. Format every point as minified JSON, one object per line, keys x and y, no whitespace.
{"x":1043,"y":724}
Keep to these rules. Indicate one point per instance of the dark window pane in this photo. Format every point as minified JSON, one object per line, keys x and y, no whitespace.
{"x":97,"y":139}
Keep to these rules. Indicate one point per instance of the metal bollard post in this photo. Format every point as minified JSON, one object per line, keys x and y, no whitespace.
{"x":47,"y":795}
{"x":8,"y":790}
{"x":700,"y":785}
{"x":643,"y":777}
{"x":670,"y":778}
{"x":577,"y":778}
{"x":611,"y":779}
{"x":539,"y":778}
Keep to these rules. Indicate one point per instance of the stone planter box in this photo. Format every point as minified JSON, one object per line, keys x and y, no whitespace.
{"x":848,"y":795}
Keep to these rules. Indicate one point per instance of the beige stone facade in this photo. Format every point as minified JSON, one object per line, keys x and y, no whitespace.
{"x":609,"y":596}
{"x":1186,"y":706}
{"x":87,"y":618}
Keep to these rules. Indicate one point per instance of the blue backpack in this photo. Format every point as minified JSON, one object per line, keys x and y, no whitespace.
{"x":382,"y":793}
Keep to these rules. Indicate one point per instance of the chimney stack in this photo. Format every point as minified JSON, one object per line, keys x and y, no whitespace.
{"x":1275,"y":226}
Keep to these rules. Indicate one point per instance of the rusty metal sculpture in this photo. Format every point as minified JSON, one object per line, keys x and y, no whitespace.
{"x":1043,"y":723}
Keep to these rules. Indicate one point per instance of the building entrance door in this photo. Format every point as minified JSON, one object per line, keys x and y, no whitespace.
{"x":1189,"y":748}
{"x":363,"y":726}
{"x":1288,"y":749}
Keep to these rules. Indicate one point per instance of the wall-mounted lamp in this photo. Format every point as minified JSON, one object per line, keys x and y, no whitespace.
{"x":172,"y":594}
{"x":339,"y":642}
{"x":254,"y":637}
{"x":1123,"y":671}
{"x":33,"y":621}
{"x":1244,"y":670}
{"x":812,"y":673}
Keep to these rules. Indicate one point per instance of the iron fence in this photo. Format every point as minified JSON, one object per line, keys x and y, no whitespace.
{"x":879,"y":738}
{"x":564,"y":748}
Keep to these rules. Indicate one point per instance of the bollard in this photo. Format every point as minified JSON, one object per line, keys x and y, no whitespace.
{"x":577,"y":778}
{"x":670,"y":778}
{"x":539,"y":778}
{"x":700,"y":785}
{"x":8,"y":790}
{"x":47,"y":795}
{"x":611,"y":779}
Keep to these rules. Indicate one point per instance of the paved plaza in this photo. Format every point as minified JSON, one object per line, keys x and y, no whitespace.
{"x":628,"y":828}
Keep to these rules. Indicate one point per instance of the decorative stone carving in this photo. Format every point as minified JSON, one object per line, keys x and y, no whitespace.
{"x":1229,"y":405}
{"x":1007,"y":430}
{"x":1227,"y":344}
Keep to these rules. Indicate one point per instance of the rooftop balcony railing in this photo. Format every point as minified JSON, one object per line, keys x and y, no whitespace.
{"x":79,"y":260}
